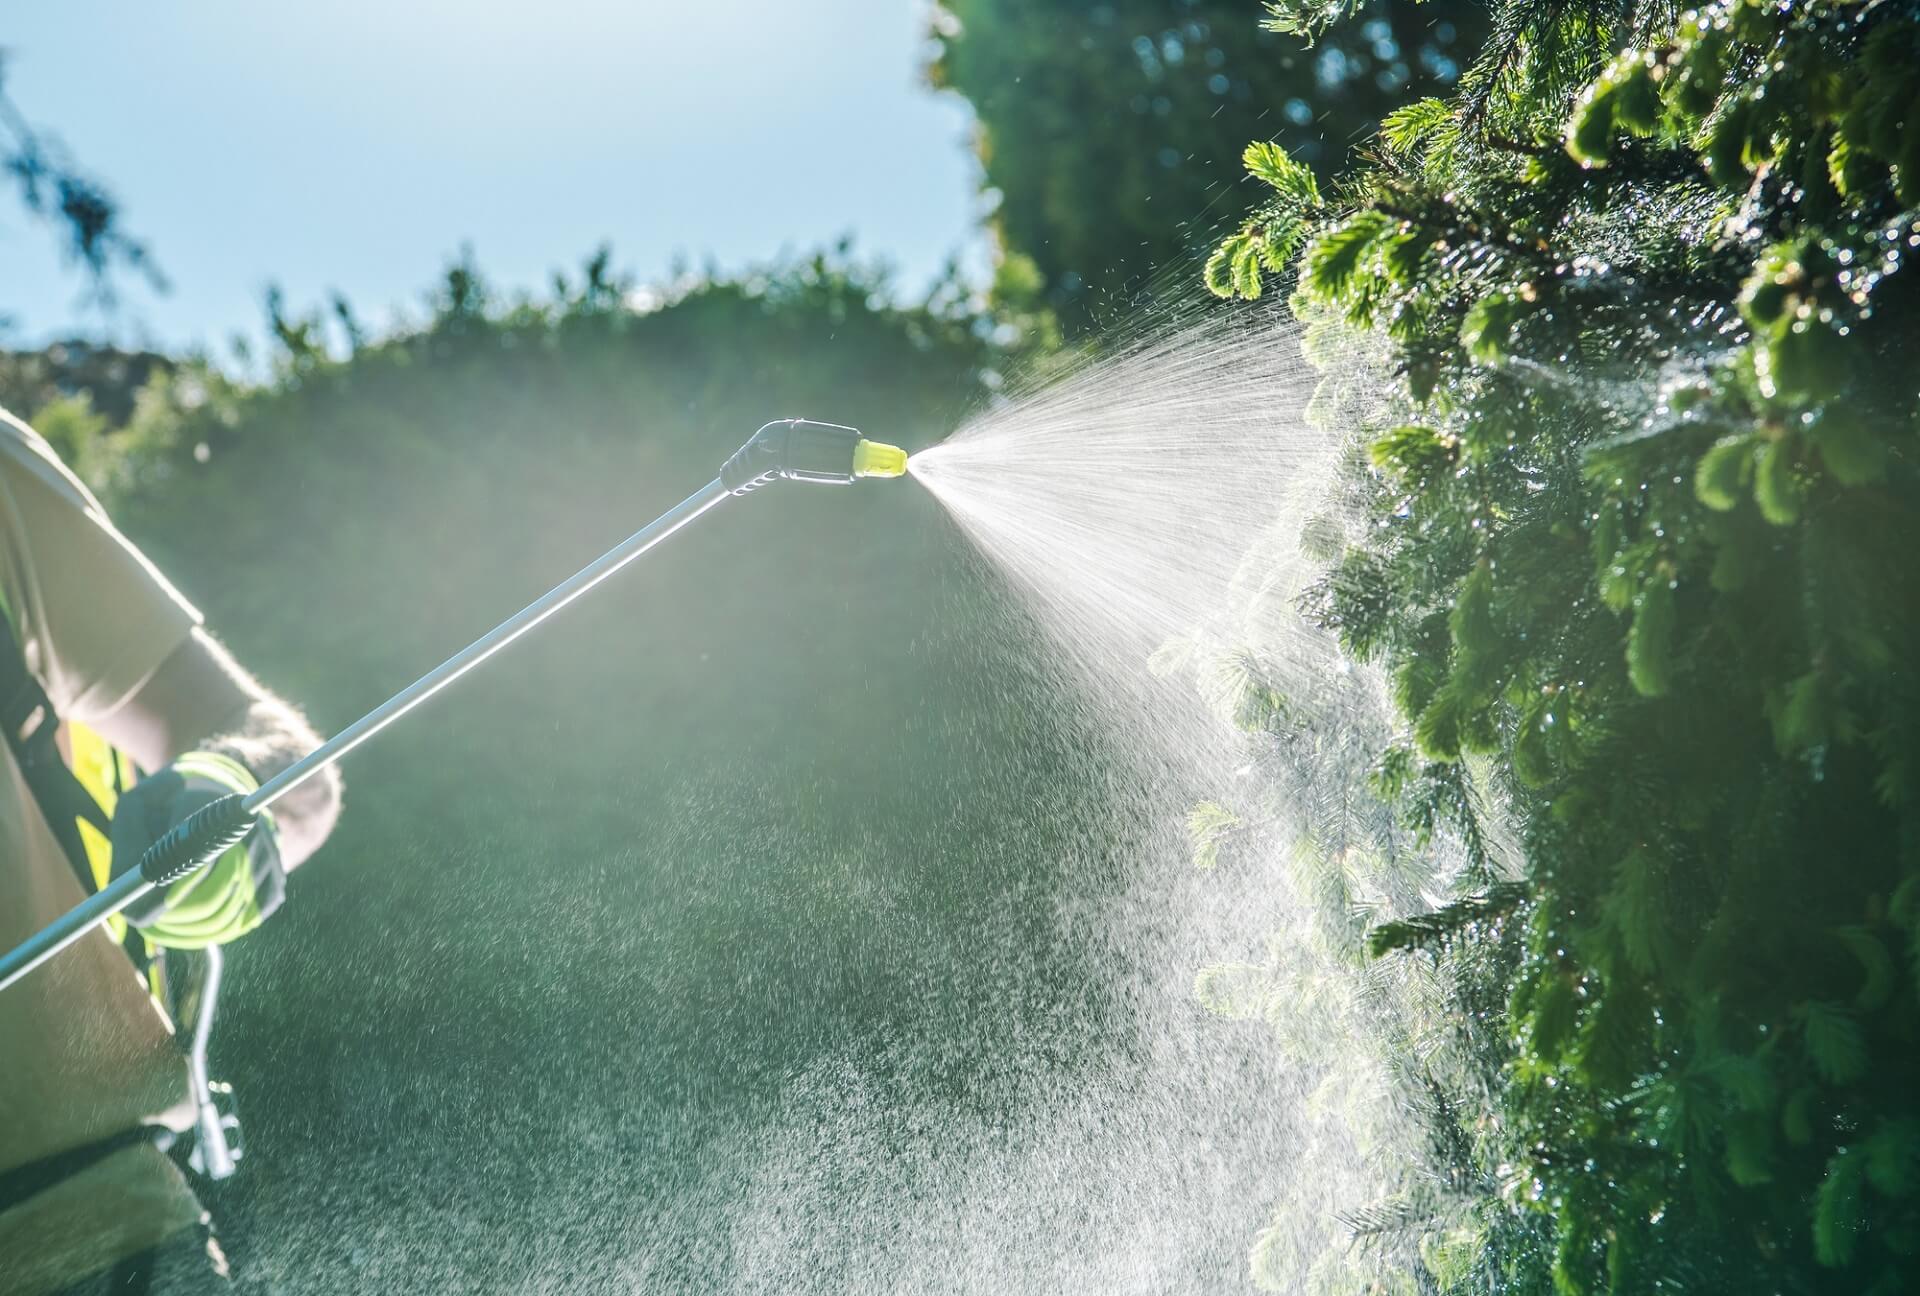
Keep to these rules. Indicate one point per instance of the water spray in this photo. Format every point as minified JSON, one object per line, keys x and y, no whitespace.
{"x":787,"y":449}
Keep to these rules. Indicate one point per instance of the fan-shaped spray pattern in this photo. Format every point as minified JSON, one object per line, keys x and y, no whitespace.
{"x":1160,"y":512}
{"x":1149,"y":505}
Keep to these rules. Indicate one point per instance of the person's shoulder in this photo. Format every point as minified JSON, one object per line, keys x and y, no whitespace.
{"x":25,"y":452}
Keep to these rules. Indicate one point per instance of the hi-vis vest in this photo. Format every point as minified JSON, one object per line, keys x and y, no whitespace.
{"x":102,"y":773}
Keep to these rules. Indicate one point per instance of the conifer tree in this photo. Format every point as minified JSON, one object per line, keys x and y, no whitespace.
{"x":1645,"y":521}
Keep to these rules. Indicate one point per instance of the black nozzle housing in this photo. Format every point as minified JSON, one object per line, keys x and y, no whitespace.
{"x":796,"y":449}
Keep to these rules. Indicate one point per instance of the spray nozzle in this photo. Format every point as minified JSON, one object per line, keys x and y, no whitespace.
{"x":878,"y":459}
{"x":802,"y":450}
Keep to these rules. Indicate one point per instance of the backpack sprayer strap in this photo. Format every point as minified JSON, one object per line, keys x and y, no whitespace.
{"x":24,"y":1182}
{"x":31,"y":726}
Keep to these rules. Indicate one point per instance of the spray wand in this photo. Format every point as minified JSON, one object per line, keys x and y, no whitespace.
{"x":790,"y":449}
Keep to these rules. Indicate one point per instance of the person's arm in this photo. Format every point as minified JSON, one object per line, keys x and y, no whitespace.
{"x":201,"y":699}
{"x":118,"y":649}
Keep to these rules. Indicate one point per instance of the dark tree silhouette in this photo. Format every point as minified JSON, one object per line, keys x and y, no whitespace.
{"x":82,"y":212}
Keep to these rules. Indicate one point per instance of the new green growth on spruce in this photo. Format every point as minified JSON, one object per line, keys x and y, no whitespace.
{"x":1644,"y":535}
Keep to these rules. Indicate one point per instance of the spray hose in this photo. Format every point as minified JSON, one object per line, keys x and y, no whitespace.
{"x":789,"y":449}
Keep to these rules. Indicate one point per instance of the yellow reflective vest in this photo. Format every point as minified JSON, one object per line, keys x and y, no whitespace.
{"x":103,"y":773}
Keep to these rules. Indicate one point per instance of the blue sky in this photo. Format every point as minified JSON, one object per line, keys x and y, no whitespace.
{"x":356,"y":145}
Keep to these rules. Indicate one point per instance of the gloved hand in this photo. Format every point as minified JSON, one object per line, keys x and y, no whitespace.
{"x":226,"y":899}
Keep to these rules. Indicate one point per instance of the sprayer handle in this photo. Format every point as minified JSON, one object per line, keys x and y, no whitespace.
{"x":198,"y":840}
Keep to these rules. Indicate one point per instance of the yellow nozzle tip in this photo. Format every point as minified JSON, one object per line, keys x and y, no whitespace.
{"x":878,"y":459}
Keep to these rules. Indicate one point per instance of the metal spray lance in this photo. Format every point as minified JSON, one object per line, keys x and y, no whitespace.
{"x":789,"y":449}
